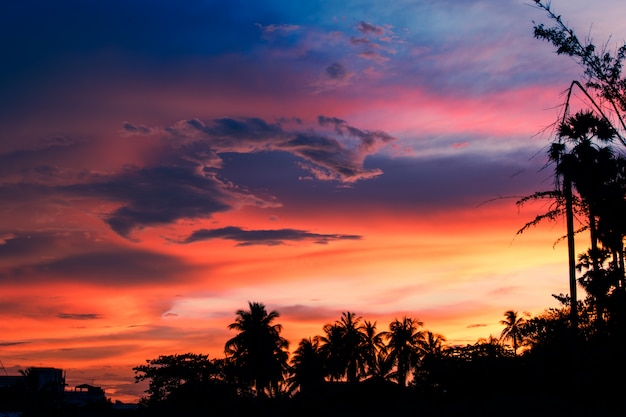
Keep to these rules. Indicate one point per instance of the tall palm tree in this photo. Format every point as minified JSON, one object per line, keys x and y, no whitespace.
{"x":344,"y":348}
{"x":512,"y":329}
{"x":354,"y":345}
{"x":373,"y":344}
{"x":404,"y":340}
{"x":585,"y":177}
{"x":587,"y":159}
{"x":307,"y":366}
{"x":331,"y":348}
{"x":258,"y":351}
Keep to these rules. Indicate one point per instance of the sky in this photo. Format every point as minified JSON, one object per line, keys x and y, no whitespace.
{"x":164,"y":163}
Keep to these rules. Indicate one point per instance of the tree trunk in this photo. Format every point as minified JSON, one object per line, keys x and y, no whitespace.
{"x":569,"y":213}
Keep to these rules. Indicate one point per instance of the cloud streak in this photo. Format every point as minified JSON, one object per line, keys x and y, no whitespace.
{"x":79,"y":316}
{"x":264,"y":237}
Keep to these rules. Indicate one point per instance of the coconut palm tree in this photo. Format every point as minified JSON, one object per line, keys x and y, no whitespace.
{"x":258,"y":351}
{"x":331,"y":348}
{"x":512,"y":329}
{"x":307,"y":366}
{"x":404,"y":340}
{"x":373,"y":344}
{"x":344,"y":348}
{"x":355,"y":349}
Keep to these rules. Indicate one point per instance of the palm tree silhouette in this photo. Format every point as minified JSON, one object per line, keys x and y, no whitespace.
{"x":404,"y":342}
{"x":307,"y":366}
{"x":344,"y":348}
{"x":258,"y":351}
{"x":585,"y":157}
{"x":382,"y":367}
{"x":373,"y":345}
{"x":432,"y":345}
{"x":584,"y":162}
{"x":513,"y":329}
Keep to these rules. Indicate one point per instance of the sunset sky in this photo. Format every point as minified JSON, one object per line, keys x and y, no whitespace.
{"x":163,"y":163}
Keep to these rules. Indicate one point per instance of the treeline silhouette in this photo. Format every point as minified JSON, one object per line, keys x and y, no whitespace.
{"x":538,"y":366}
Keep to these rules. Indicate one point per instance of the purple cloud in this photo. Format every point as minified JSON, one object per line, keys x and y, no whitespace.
{"x":328,"y":153}
{"x":336,"y":71}
{"x":131,"y":128}
{"x":264,"y":237}
{"x":360,"y":41}
{"x":272,"y":28}
{"x":370,"y":29}
{"x":181,"y":178}
{"x":159,"y":195}
{"x":203,"y":168}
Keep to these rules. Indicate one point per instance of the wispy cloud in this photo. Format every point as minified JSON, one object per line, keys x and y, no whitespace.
{"x":331,"y":151}
{"x":264,"y":237}
{"x":370,"y":29}
{"x":336,"y":71}
{"x":79,"y":316}
{"x":473,"y":326}
{"x":13,"y":343}
{"x":273,"y":28}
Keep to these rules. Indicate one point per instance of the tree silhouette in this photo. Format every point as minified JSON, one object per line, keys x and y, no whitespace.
{"x":373,"y":346}
{"x":307,"y":366}
{"x":549,"y":327}
{"x":432,"y":345}
{"x":605,"y":92}
{"x":383,"y":366}
{"x":585,"y":163}
{"x":170,"y":376}
{"x":344,"y":348}
{"x":585,"y":156}
{"x":258,"y":351}
{"x":331,"y":347}
{"x":404,"y":342}
{"x":602,"y":69}
{"x":512,"y":329}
